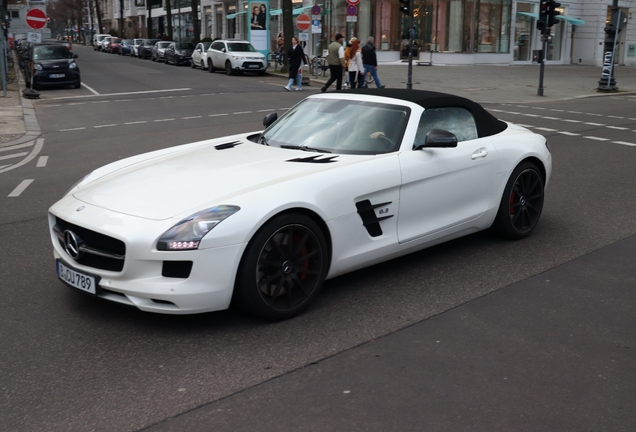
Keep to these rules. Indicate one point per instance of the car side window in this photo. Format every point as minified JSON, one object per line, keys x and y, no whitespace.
{"x":458,"y":121}
{"x":217,"y":46}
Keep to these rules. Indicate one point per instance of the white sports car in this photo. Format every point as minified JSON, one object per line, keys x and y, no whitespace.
{"x":342,"y":181}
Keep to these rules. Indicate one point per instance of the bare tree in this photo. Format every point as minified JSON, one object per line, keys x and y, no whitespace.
{"x":196,"y":25}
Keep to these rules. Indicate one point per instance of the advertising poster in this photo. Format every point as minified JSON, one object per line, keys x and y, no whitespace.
{"x":258,"y":12}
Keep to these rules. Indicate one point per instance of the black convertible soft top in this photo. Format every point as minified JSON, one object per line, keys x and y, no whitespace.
{"x":487,"y":124}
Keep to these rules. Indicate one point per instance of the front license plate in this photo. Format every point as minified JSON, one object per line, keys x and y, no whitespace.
{"x":253,"y":66}
{"x":76,"y":279}
{"x":56,"y":75}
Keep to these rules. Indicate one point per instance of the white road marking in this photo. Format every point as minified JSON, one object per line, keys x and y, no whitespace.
{"x":14,"y":155}
{"x":595,"y":115}
{"x":243,"y":112}
{"x":163,"y":120}
{"x":624,"y":143}
{"x":616,"y":117}
{"x":596,"y":138}
{"x":266,"y":110}
{"x":532,"y":115}
{"x":4,"y":166}
{"x":593,"y":124}
{"x":96,"y":102}
{"x":104,"y":126}
{"x":15,"y":147}
{"x":551,"y":118}
{"x":50,"y":106}
{"x":217,"y":115}
{"x":572,"y":121}
{"x":569,"y":133}
{"x":191,"y":117}
{"x":120,"y":94}
{"x":72,"y":129}
{"x":77,"y":103}
{"x":539,"y":108}
{"x":557,"y":110}
{"x":92,"y":90}
{"x":136,"y":122}
{"x":42,"y":161}
{"x":37,"y":148}
{"x":546,"y":129}
{"x":21,"y":188}
{"x":617,"y":127}
{"x":524,"y":125}
{"x":575,"y":112}
{"x":122,"y":100}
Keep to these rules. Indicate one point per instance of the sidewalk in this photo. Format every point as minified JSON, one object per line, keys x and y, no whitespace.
{"x":18,"y":123}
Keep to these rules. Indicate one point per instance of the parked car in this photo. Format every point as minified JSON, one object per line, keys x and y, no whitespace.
{"x":178,"y":53}
{"x":419,"y":168}
{"x":158,"y":50}
{"x":105,"y":42}
{"x":200,"y":55}
{"x":135,"y":46}
{"x":113,"y":45}
{"x":235,"y":57}
{"x":125,"y":47}
{"x":97,"y":41}
{"x":53,"y":65}
{"x":144,"y":50}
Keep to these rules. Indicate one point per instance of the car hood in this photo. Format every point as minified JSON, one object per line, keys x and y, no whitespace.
{"x":178,"y":181}
{"x":54,"y":63}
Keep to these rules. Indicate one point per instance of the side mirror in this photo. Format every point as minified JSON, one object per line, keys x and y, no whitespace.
{"x":223,"y":50}
{"x":438,"y":138}
{"x":269,"y":119}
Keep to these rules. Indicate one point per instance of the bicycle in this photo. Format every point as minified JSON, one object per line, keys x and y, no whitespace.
{"x":318,"y":66}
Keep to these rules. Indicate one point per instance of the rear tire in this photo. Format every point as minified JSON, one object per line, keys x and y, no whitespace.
{"x":521,"y":204}
{"x":282,"y":268}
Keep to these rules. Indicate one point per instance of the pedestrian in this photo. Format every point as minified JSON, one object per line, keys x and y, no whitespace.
{"x":347,"y":59}
{"x":336,"y":62}
{"x":356,"y":67}
{"x":296,"y":55}
{"x":370,"y":61}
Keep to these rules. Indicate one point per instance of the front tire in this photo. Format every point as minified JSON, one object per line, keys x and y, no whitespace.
{"x":210,"y":67}
{"x":283,"y":268}
{"x":228,"y":68}
{"x":521,"y":204}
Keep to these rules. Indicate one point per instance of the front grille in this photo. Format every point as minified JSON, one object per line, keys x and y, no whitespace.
{"x":252,"y":65}
{"x":176,"y":269}
{"x":99,"y":243}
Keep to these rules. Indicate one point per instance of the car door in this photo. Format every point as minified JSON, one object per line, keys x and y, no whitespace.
{"x":196,"y":55}
{"x":444,"y":188}
{"x":217,"y":52}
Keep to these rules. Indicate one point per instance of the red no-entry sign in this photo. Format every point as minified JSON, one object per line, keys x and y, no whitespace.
{"x":303,"y":22}
{"x":36,"y":19}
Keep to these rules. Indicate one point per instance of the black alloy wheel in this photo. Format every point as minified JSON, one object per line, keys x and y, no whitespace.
{"x":283,"y":268}
{"x":228,"y":68}
{"x":522,"y":202}
{"x":210,"y":66}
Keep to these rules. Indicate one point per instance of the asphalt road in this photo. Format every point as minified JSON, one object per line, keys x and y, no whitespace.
{"x":70,"y":363}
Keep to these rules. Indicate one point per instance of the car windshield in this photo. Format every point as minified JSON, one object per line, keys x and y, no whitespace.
{"x":206,"y":45}
{"x":151,"y":41}
{"x":340,"y":126}
{"x":184,"y":46}
{"x":115,"y":40}
{"x":163,"y":44}
{"x":240,"y":47}
{"x":51,"y":53}
{"x":127,"y":41}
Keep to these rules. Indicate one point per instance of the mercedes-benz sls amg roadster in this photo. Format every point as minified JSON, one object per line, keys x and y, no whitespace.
{"x":341,"y":181}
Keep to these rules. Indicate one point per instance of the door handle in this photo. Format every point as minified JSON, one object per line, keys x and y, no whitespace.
{"x":479,"y":153}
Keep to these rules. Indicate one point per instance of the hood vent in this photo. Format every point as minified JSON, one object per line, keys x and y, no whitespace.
{"x":227,"y":145}
{"x":315,"y":159}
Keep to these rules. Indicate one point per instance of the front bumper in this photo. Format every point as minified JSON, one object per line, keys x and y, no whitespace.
{"x":140,"y":283}
{"x":52,"y":78}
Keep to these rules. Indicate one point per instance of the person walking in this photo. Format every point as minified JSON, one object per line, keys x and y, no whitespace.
{"x":356,"y":67}
{"x":370,"y":61}
{"x":336,"y":62}
{"x":296,"y":55}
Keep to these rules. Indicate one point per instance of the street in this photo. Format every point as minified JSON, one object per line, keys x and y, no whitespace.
{"x":70,"y":363}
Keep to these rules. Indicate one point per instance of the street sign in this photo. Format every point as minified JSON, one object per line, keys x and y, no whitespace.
{"x":352,"y":10}
{"x":34,"y":37}
{"x":316,"y":10}
{"x":303,"y":22}
{"x":36,"y":19}
{"x":353,"y":2}
{"x":303,"y":36}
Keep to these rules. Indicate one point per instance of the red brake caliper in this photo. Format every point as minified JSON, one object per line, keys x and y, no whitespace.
{"x":512,"y":200}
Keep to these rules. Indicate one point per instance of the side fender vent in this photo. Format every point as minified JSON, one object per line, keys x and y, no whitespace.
{"x":371,"y":222}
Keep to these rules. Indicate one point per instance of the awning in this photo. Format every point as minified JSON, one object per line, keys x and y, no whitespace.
{"x":571,"y":20}
{"x":231,"y":16}
{"x":296,"y":11}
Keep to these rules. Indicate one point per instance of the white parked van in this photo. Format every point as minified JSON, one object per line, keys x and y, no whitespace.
{"x":97,"y":41}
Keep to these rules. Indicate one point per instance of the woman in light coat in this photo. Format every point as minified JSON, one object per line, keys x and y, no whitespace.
{"x":356,"y":68}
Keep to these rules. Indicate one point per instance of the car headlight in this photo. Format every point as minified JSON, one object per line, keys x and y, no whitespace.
{"x":37,"y":66}
{"x":73,"y":65}
{"x":187,"y":234}
{"x":236,"y":58}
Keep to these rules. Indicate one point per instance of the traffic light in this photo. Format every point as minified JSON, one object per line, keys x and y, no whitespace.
{"x":405,"y":7}
{"x":543,"y":15}
{"x":553,"y":13}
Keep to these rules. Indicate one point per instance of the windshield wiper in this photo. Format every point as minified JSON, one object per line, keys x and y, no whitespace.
{"x":304,"y":148}
{"x":263,"y":140}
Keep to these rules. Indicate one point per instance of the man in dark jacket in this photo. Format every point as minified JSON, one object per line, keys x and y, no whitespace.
{"x":370,"y":62}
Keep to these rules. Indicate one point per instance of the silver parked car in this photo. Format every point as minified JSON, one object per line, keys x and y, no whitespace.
{"x":235,"y":57}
